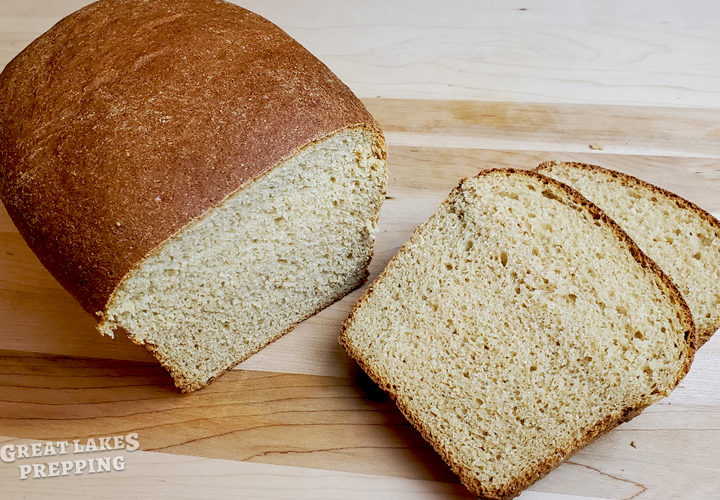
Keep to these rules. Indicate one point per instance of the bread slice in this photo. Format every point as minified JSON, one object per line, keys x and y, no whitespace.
{"x":195,"y":178}
{"x":516,"y":325}
{"x":681,"y":237}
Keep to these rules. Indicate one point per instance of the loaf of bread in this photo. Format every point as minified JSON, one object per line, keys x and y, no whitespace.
{"x":191,"y":174}
{"x":681,"y":237}
{"x":516,"y":325}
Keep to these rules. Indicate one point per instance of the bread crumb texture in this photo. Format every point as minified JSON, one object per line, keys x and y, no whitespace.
{"x":284,"y":247}
{"x":682,"y":238}
{"x":516,"y":325}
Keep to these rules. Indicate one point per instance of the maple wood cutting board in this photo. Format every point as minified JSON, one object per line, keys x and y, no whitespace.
{"x":298,"y":418}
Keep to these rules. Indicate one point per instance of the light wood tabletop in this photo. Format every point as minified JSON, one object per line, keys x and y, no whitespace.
{"x":457,"y":86}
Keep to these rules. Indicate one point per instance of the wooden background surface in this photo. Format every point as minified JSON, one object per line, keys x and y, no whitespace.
{"x":458,"y":86}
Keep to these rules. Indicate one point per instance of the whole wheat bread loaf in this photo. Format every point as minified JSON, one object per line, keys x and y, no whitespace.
{"x":191,"y":174}
{"x":516,"y":325}
{"x":681,"y":237}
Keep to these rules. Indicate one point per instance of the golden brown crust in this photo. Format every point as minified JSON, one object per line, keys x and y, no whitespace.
{"x":611,"y":421}
{"x":129,"y":119}
{"x":704,"y":334}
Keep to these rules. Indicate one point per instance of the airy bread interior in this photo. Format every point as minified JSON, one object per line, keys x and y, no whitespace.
{"x":681,"y":238}
{"x":515,"y":325}
{"x":287,"y":245}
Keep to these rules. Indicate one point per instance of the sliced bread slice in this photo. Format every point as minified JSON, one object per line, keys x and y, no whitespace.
{"x":516,"y":325}
{"x":680,"y":236}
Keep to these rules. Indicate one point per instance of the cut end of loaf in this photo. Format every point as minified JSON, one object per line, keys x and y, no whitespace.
{"x":681,"y":237}
{"x":516,"y":325}
{"x":289,"y":244}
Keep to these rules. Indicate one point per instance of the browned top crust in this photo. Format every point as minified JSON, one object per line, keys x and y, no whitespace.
{"x":130,"y":118}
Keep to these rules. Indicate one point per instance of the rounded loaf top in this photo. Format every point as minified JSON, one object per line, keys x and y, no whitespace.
{"x":130,"y":118}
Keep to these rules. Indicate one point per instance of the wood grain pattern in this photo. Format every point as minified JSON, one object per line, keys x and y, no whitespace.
{"x":633,"y":53}
{"x":647,"y":52}
{"x":571,"y":128}
{"x":189,"y":477}
{"x":457,"y":86}
{"x":341,"y":424}
{"x":251,"y":416}
{"x":160,"y":475}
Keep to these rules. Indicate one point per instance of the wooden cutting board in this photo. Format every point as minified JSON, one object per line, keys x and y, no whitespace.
{"x":298,"y":418}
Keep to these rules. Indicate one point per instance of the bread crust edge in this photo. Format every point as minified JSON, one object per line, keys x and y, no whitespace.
{"x":627,"y":180}
{"x":515,"y":487}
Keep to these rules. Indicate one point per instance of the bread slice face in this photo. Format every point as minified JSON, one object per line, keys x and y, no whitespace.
{"x":517,"y":324}
{"x":681,"y":237}
{"x":287,"y":245}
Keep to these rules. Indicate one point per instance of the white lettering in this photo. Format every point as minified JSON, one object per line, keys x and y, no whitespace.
{"x":80,"y":466}
{"x":39,"y":470}
{"x":91,"y":446}
{"x":24,"y":470}
{"x":7,"y":453}
{"x":118,"y":442}
{"x":67,"y":466}
{"x":132,"y":442}
{"x":23,"y":451}
{"x":104,"y":443}
{"x":49,"y":449}
{"x":63,"y":447}
{"x":96,"y":465}
{"x":53,"y":469}
{"x":103,"y":464}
